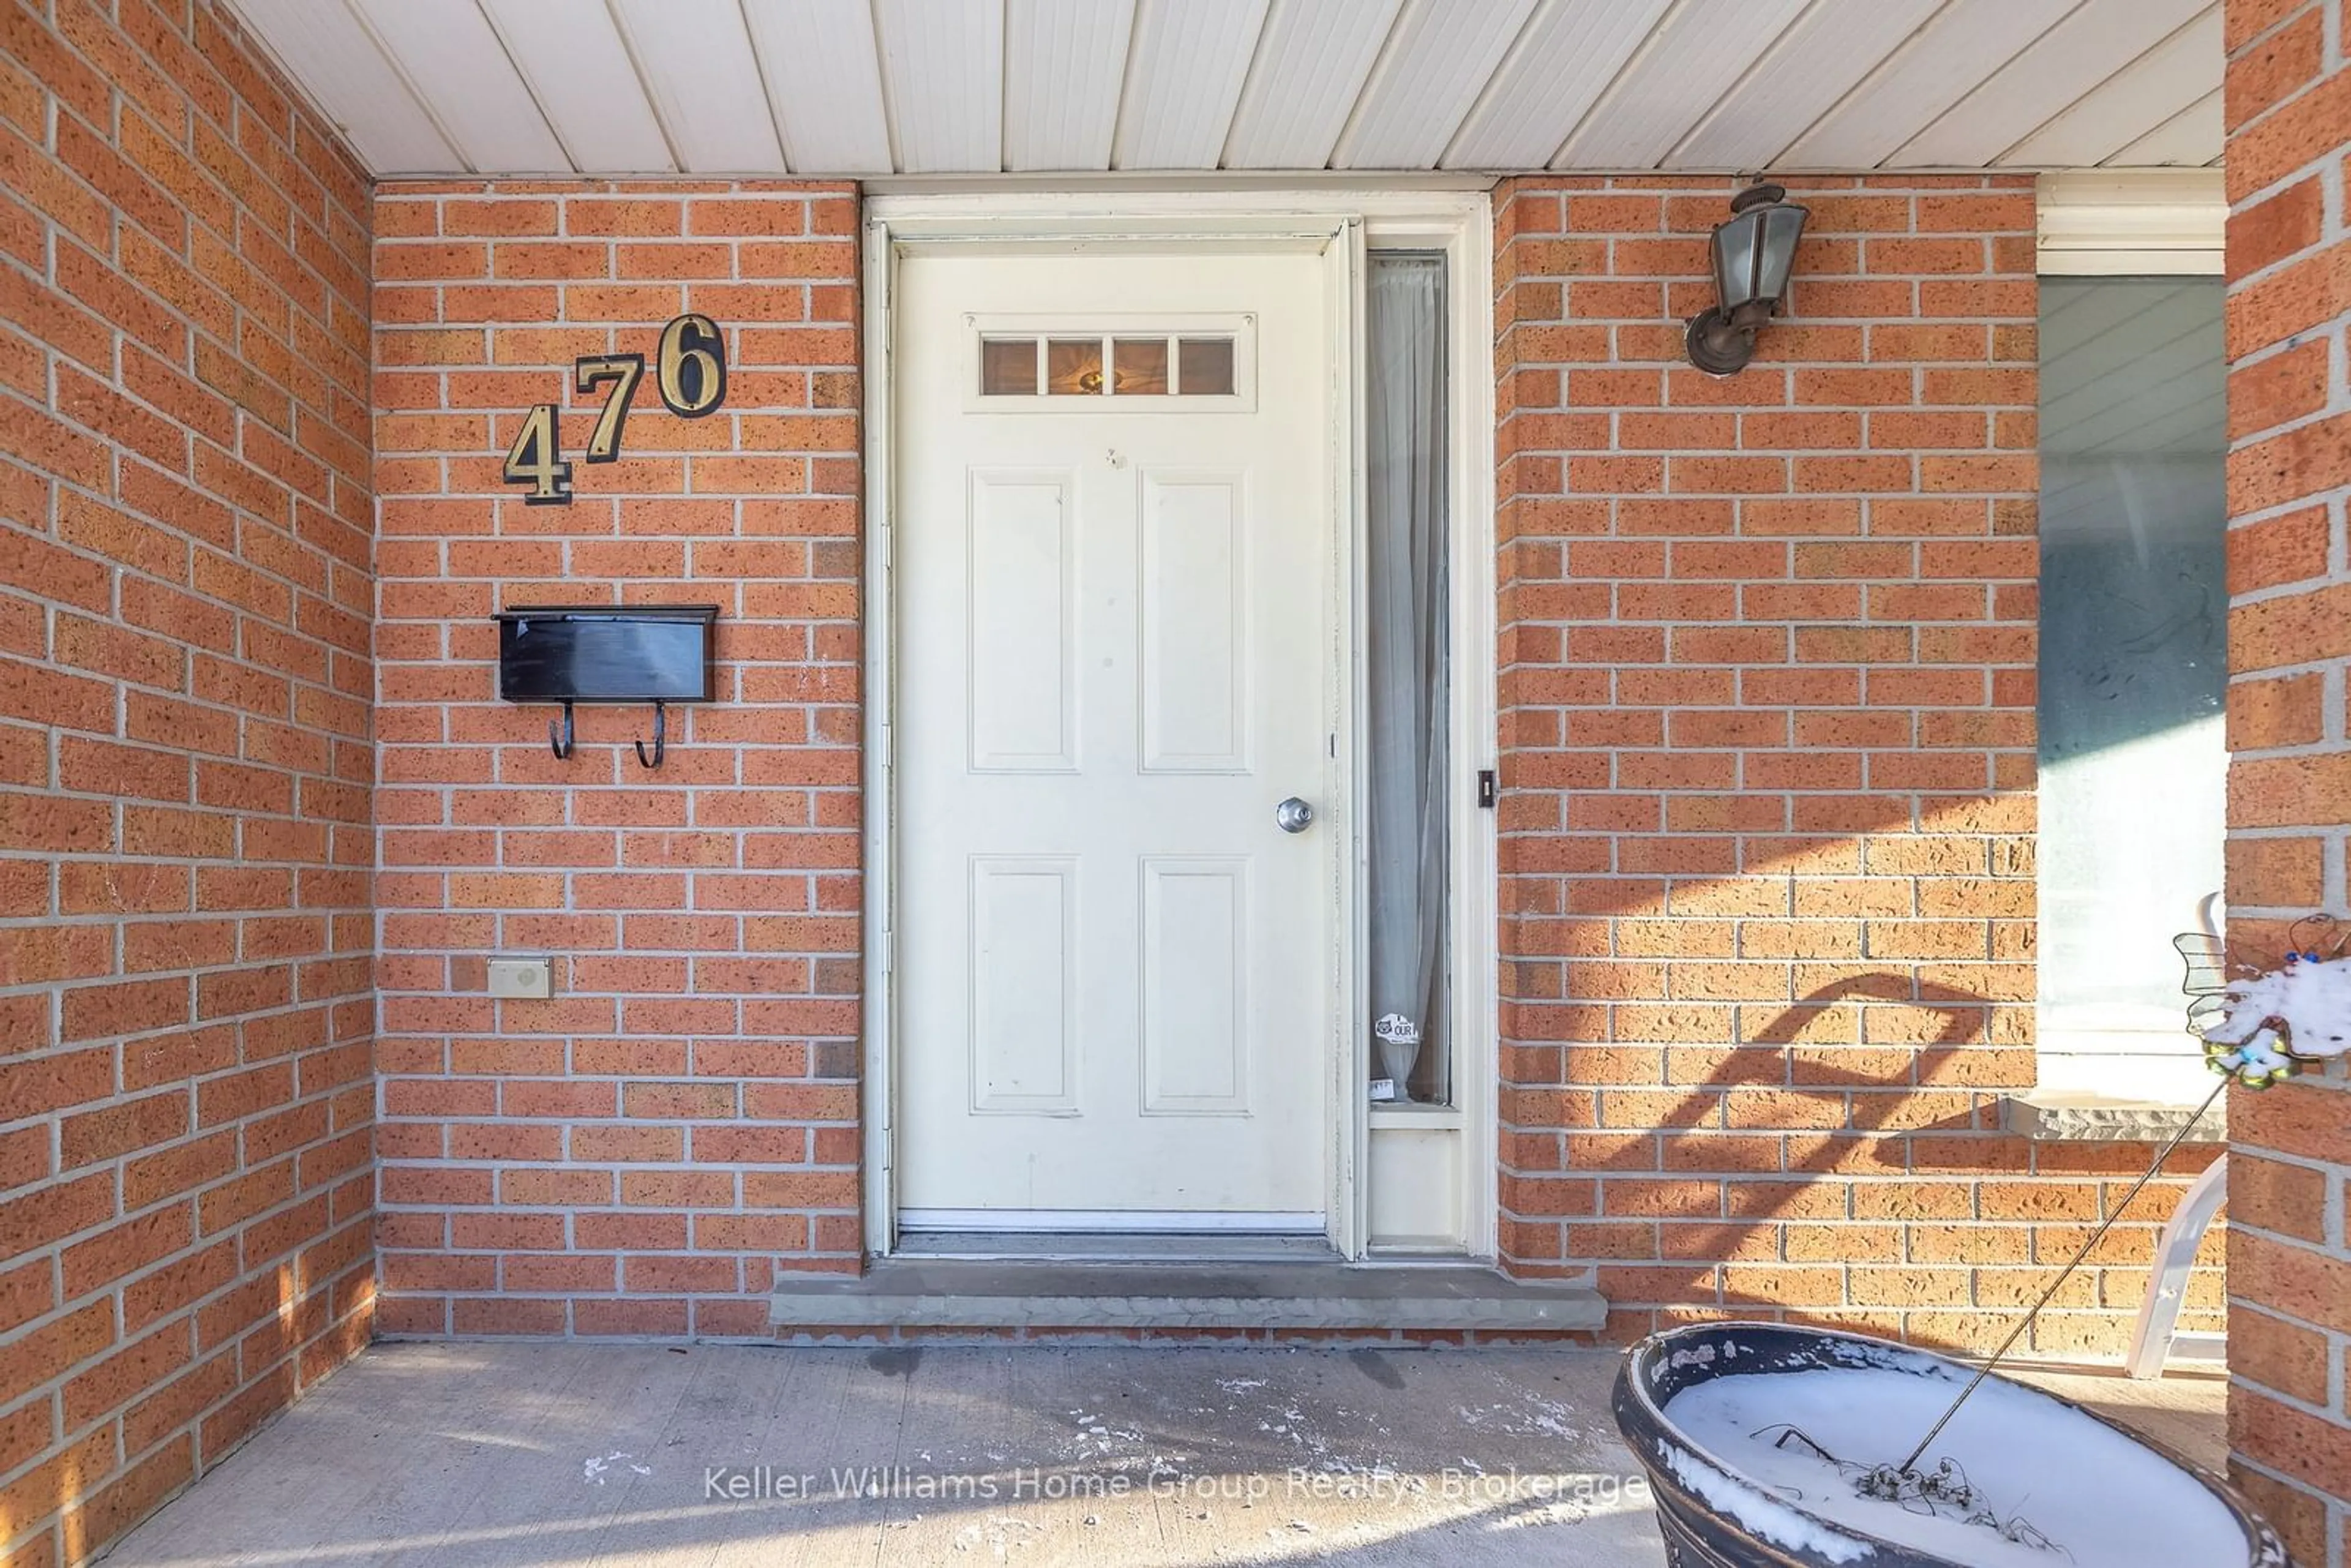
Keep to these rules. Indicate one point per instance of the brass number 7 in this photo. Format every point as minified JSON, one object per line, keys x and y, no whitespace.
{"x":627,"y":370}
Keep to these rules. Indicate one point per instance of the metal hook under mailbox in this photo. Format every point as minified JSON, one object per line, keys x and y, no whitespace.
{"x":660,"y":736}
{"x":561,"y":740}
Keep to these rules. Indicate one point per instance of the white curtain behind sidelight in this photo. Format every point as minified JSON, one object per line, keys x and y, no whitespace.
{"x":1406,"y":641}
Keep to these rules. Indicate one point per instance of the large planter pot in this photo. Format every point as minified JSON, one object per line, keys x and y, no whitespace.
{"x":1716,"y":1515}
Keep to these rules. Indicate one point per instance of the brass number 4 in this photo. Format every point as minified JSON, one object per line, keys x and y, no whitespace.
{"x":532,"y":460}
{"x":624,"y":370}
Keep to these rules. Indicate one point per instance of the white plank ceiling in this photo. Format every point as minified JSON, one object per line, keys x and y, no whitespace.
{"x":951,"y":87}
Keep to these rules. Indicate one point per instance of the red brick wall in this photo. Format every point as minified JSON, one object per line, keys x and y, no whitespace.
{"x":184,"y":759}
{"x":1767,"y":699}
{"x":2289,"y":115}
{"x":638,"y":1155}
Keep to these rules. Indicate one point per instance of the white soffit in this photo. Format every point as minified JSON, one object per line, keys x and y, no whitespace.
{"x":1440,"y":54}
{"x":1183,"y":81}
{"x":853,"y":87}
{"x":583,"y":81}
{"x":1696,"y":54}
{"x":1312,"y":62}
{"x":1827,"y":50}
{"x":1952,"y":54}
{"x":1560,"y":65}
{"x":453,"y":59}
{"x":695,"y":58}
{"x":2167,"y":77}
{"x":354,"y":82}
{"x":824,"y":83}
{"x":1064,"y":63}
{"x":943,"y":82}
{"x":2180,"y":140}
{"x":2061,"y":66}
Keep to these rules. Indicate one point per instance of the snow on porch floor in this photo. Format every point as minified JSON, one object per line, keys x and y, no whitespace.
{"x":547,"y":1455}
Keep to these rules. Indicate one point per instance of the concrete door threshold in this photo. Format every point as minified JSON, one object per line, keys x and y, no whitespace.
{"x":1000,"y":1293}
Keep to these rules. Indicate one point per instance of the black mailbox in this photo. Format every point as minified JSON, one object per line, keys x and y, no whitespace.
{"x":569,"y":654}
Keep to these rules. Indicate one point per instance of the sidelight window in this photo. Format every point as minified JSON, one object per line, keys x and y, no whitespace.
{"x":1408,"y":641}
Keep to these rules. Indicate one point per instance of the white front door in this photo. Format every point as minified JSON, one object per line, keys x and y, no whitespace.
{"x":1113,"y":969}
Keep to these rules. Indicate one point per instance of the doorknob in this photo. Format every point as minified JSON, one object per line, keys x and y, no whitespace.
{"x":1292,"y":815}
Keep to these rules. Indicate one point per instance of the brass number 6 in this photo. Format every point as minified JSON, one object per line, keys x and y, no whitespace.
{"x":692,"y":373}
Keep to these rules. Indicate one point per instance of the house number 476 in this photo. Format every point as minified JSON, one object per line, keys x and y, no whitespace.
{"x":690,"y":373}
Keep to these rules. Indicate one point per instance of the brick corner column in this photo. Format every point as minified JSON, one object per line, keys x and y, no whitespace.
{"x":2289,"y":263}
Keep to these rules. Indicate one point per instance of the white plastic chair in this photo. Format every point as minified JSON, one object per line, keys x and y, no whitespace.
{"x":2175,"y":1251}
{"x":2175,"y":1255}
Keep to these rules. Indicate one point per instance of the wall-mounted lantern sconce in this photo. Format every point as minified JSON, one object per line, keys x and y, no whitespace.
{"x":1753,"y":253}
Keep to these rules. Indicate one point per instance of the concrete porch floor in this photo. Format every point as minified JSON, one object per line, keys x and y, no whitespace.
{"x":546,"y":1455}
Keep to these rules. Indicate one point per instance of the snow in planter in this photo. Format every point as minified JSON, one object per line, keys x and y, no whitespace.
{"x":2031,"y":1482}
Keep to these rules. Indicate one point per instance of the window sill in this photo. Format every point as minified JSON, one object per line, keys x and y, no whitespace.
{"x":1420,"y":1117}
{"x":2078,"y":1117}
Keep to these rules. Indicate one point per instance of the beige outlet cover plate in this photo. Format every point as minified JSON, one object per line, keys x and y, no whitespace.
{"x":521,"y":978}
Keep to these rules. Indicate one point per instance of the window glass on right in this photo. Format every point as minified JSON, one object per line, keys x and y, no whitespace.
{"x":1407,"y":667}
{"x":2134,"y":671}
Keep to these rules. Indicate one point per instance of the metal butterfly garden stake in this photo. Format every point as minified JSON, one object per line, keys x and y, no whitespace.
{"x":2261,"y":1025}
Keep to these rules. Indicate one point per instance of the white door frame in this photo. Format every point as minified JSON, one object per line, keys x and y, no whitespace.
{"x":1455,"y":221}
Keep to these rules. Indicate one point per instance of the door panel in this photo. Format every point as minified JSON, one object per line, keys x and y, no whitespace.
{"x":1115,"y":972}
{"x":1196,"y":1022}
{"x":1019,"y":609}
{"x":1194,"y":663}
{"x":1023,"y":967}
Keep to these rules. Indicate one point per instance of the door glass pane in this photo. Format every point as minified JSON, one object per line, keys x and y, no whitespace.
{"x":1140,"y":365}
{"x":2133,"y":613}
{"x":1204,"y":366}
{"x":1407,"y":646}
{"x":1073,"y":365}
{"x":1007,"y":367}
